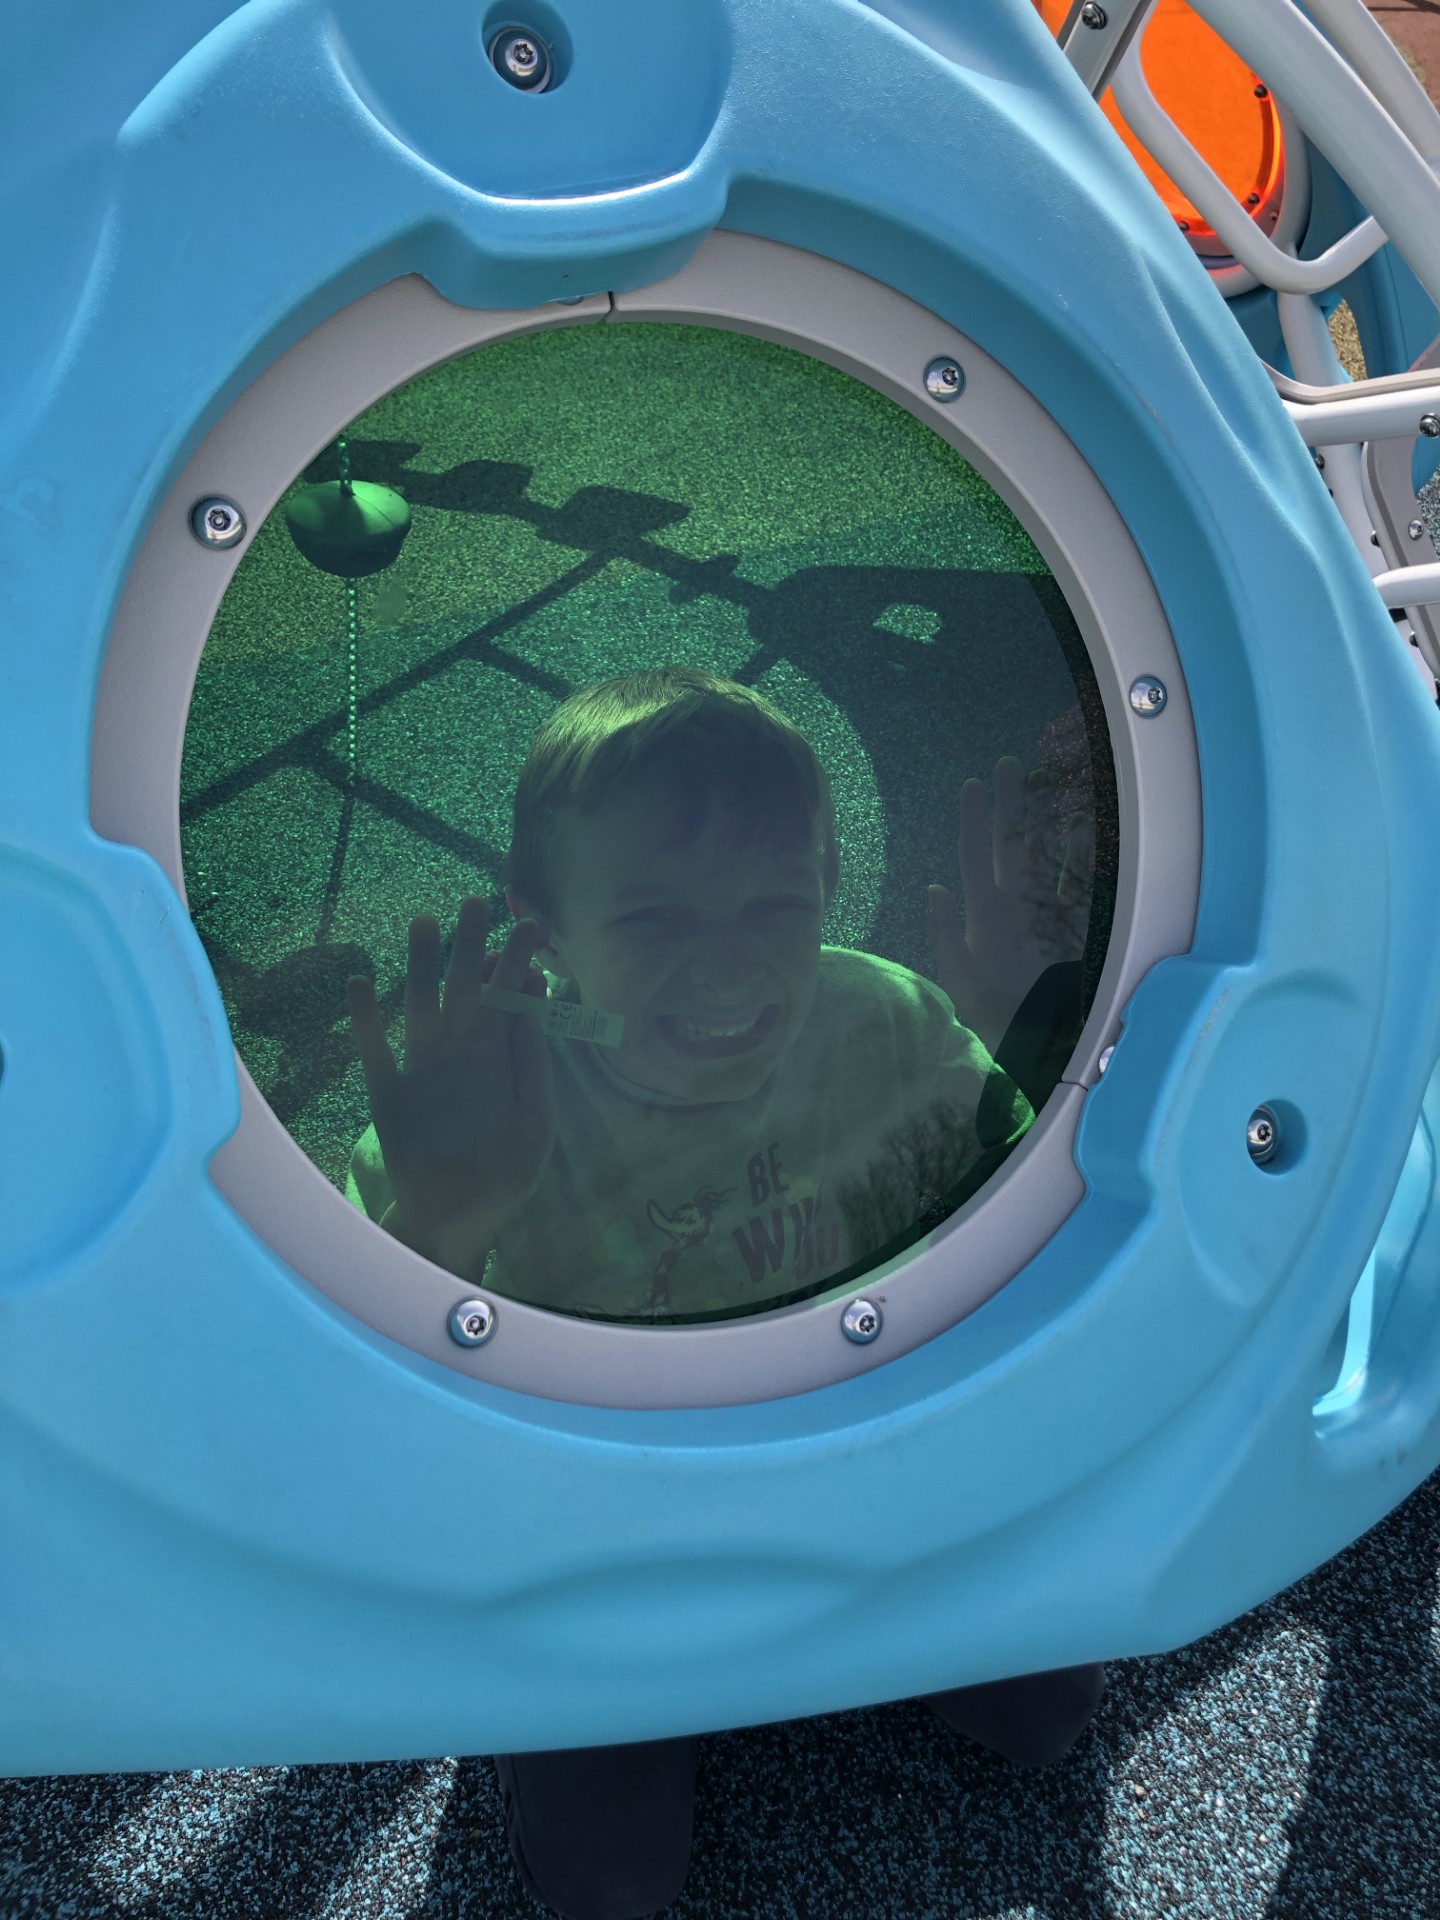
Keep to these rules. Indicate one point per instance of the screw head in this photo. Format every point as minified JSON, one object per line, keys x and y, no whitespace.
{"x":522,"y":59}
{"x":1262,"y":1135}
{"x":1415,"y":529}
{"x":217,"y":523}
{"x":1262,"y":92}
{"x":1093,"y":15}
{"x":1318,"y":458}
{"x":1430,"y":425}
{"x":862,"y":1321}
{"x":944,"y":379}
{"x":471,"y":1322}
{"x":1148,"y":696}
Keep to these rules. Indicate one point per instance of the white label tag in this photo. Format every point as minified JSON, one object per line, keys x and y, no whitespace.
{"x":561,"y":1019}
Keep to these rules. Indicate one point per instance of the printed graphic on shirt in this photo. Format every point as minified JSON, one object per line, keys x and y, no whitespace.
{"x":780,"y":1243}
{"x":686,"y":1228}
{"x":790,"y":1235}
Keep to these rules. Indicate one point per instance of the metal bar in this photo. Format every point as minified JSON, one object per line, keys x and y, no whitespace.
{"x":1313,"y":356}
{"x":1381,"y":65}
{"x":1418,"y":380}
{"x":1389,"y":416}
{"x":1094,"y":50}
{"x":1344,"y":119}
{"x":1409,"y":586}
{"x":1404,"y":538}
{"x":1193,"y":174}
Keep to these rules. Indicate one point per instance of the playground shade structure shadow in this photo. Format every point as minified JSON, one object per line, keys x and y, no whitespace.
{"x":590,"y":501}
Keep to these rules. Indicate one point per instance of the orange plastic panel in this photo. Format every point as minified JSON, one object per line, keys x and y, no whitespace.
{"x":1214,"y":99}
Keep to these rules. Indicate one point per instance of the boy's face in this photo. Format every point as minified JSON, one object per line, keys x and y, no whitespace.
{"x":711,"y":955}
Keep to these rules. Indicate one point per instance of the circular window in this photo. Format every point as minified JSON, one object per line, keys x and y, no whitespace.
{"x":661,"y":790}
{"x":707,"y":663}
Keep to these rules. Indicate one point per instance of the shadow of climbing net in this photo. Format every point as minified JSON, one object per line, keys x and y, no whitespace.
{"x":745,"y":509}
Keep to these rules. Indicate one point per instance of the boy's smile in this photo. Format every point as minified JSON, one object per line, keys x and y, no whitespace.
{"x":710,"y":953}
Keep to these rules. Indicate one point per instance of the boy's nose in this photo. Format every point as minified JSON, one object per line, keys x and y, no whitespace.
{"x":727,"y":968}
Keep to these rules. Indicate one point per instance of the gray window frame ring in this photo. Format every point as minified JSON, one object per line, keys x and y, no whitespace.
{"x":796,"y":299}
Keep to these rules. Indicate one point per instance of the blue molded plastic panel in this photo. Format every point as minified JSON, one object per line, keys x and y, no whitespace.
{"x":239,"y":1527}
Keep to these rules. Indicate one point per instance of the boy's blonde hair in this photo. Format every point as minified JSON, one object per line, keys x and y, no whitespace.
{"x":703,"y":739}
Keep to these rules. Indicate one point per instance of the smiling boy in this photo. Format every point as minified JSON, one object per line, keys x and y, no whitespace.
{"x":776,"y":1113}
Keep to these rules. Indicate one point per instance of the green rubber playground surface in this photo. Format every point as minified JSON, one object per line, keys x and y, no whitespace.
{"x":589,"y":501}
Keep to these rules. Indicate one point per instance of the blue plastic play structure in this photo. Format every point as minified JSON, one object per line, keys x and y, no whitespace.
{"x":240,"y":1524}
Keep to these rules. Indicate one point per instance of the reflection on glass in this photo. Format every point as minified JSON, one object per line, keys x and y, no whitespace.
{"x":766,"y":760}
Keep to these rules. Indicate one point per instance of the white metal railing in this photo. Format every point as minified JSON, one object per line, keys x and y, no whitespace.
{"x":1336,"y":76}
{"x":1370,"y":416}
{"x":1215,"y":203}
{"x":1094,"y":37}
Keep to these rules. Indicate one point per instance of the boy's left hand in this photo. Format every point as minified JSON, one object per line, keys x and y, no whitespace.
{"x":1027,"y":888}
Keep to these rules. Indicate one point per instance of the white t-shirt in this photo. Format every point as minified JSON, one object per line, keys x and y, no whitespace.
{"x":657,"y":1209}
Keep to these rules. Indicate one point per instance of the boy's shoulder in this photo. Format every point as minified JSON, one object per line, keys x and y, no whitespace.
{"x":889,"y":1033}
{"x":874,"y":1009}
{"x":872,"y":987}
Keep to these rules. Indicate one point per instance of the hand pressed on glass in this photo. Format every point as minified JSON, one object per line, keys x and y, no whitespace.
{"x":1027,"y":884}
{"x":467,"y":1125}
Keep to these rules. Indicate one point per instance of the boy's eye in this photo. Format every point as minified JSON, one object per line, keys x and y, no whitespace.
{"x":653,"y":917}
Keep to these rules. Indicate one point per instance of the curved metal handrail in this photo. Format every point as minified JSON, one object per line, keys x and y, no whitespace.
{"x":1347,"y":87}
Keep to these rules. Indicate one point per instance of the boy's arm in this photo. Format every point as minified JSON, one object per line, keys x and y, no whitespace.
{"x":1036,"y":1046}
{"x":947,"y":1124}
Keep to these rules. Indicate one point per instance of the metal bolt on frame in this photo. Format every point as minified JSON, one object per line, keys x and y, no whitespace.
{"x":944,"y":379}
{"x":520,"y":57}
{"x":471,"y":1322}
{"x":861,"y":1322}
{"x":1262,"y":1136}
{"x":217,"y":523}
{"x":1148,"y":696}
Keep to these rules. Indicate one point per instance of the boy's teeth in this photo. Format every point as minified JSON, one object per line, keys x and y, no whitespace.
{"x":692,"y":1031}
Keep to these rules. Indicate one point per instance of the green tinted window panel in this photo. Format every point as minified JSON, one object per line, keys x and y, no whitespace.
{"x":586,"y":502}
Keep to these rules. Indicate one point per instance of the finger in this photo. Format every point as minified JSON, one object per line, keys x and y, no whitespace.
{"x":513,"y":966}
{"x":422,"y":988}
{"x":1009,"y":824}
{"x":534,"y":980}
{"x":466,"y":974}
{"x":947,"y":937}
{"x":377,"y":1063}
{"x":977,"y":857}
{"x":1077,"y":876}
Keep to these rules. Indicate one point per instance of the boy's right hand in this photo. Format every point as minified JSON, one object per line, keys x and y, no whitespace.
{"x":467,"y":1126}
